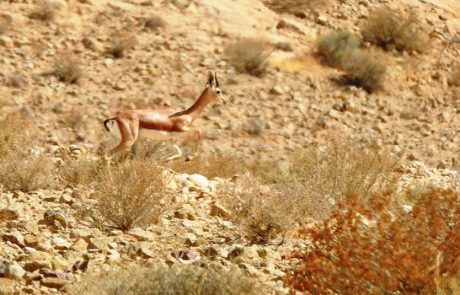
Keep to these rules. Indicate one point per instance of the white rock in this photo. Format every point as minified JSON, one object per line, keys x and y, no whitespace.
{"x":199,"y":180}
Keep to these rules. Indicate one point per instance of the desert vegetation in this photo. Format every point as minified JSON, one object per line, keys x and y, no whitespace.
{"x":391,"y":29}
{"x":384,"y":247}
{"x":249,"y":55}
{"x":184,"y":280}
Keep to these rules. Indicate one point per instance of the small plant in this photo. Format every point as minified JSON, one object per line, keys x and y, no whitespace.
{"x":264,"y":212}
{"x":81,"y":172}
{"x":364,"y":70}
{"x":319,"y":177}
{"x":178,"y":280}
{"x":336,"y":46}
{"x":133,"y":193}
{"x":121,"y":42}
{"x":67,"y":69}
{"x":390,"y":29}
{"x":20,"y":168}
{"x":383,"y":247}
{"x":26,"y":173}
{"x":154,"y":22}
{"x":44,"y":11}
{"x":249,"y":55}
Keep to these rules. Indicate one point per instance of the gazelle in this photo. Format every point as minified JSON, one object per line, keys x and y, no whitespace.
{"x":163,"y":124}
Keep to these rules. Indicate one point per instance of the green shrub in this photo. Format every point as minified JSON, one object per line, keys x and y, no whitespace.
{"x":336,"y":46}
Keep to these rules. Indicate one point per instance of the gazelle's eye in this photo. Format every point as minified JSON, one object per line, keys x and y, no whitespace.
{"x":218,"y":91}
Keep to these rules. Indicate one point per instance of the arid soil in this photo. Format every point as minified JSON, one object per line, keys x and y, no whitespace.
{"x":44,"y":246}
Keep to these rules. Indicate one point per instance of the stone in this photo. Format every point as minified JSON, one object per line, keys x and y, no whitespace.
{"x":101,"y":244}
{"x":186,"y":212}
{"x":190,"y":239}
{"x":14,"y":237}
{"x":199,"y":180}
{"x":277,"y":90}
{"x":53,"y":216}
{"x":7,"y":286}
{"x":14,"y":271}
{"x":145,"y":252}
{"x":80,"y":245}
{"x":142,"y":235}
{"x":92,"y":44}
{"x":37,"y":260}
{"x":31,"y":240}
{"x":219,"y":210}
{"x":60,"y":243}
{"x":54,"y":283}
{"x":9,"y":213}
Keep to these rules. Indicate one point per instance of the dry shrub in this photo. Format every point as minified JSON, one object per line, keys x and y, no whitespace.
{"x":364,"y":70}
{"x":5,"y":23}
{"x":177,"y":280}
{"x":336,"y":46}
{"x":67,"y":69}
{"x":323,"y":175}
{"x":294,"y":6}
{"x":16,"y":79}
{"x":391,"y":29}
{"x":44,"y":10}
{"x":211,"y":165}
{"x":249,"y":55}
{"x":121,"y":42}
{"x":153,"y":22}
{"x":21,"y":169}
{"x":454,"y":79}
{"x":148,"y":149}
{"x":375,"y":246}
{"x":262,"y":211}
{"x":81,"y":172}
{"x":132,"y":193}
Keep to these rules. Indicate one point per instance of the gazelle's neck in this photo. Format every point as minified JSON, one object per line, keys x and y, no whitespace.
{"x":198,"y":106}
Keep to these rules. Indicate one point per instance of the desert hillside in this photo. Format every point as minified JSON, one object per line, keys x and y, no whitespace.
{"x":340,"y":137}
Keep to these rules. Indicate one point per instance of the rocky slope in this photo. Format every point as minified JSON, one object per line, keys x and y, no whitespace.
{"x":44,"y":245}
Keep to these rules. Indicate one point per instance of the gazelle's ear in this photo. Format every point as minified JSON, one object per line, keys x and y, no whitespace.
{"x":216,"y":80}
{"x":211,"y":78}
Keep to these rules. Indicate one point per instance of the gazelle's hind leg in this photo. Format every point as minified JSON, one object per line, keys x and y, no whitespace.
{"x":197,"y":138}
{"x":129,"y":131}
{"x":177,"y":155}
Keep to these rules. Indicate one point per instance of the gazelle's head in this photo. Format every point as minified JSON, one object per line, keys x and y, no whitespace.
{"x":214,"y":92}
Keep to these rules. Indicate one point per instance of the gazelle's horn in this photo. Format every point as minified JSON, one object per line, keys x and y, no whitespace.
{"x":210,"y":78}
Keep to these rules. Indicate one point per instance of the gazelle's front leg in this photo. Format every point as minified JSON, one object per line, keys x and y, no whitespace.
{"x":177,"y":155}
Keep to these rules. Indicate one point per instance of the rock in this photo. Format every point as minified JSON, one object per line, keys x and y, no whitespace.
{"x":101,"y":244}
{"x":7,"y":286}
{"x":14,"y":237}
{"x":31,"y":240}
{"x":190,"y":239}
{"x":52,"y":217}
{"x":54,"y":283}
{"x":277,"y":90}
{"x":254,"y":127}
{"x":145,"y":252}
{"x":9,"y":213}
{"x":113,"y":255}
{"x":142,"y":235}
{"x":186,"y":212}
{"x":14,"y":271}
{"x":60,"y":243}
{"x":6,"y":41}
{"x":80,"y":245}
{"x":199,"y":180}
{"x":92,"y":44}
{"x":244,"y":254}
{"x":37,"y":260}
{"x":219,"y":210}
{"x":187,"y":256}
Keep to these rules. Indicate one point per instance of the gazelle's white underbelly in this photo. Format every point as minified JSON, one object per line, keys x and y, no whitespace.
{"x":159,"y":135}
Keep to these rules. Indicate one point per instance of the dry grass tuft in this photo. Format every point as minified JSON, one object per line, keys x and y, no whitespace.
{"x":81,"y":172}
{"x":383,"y":247}
{"x":391,"y":29}
{"x":364,"y":70}
{"x":336,"y":46}
{"x":249,"y":55}
{"x":294,"y":6}
{"x":264,"y":212}
{"x":44,"y":11}
{"x":67,"y":69}
{"x":21,"y":169}
{"x":133,"y":193}
{"x":121,"y":42}
{"x":154,"y":22}
{"x":324,"y":175}
{"x":178,"y":280}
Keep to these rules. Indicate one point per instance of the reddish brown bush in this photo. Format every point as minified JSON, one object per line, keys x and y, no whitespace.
{"x":375,"y":246}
